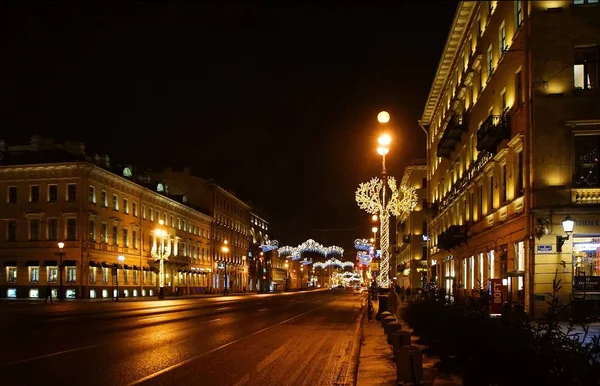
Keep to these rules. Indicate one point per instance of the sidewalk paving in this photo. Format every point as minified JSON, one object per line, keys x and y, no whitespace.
{"x":376,"y":366}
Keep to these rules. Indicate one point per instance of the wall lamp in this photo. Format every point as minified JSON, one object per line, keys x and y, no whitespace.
{"x":567,"y":225}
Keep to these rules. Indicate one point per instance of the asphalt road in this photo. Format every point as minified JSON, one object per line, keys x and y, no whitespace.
{"x":305,"y":338}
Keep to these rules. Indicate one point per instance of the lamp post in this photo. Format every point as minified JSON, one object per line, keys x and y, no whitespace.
{"x":567,"y":225}
{"x":225,"y":249}
{"x":161,"y":252}
{"x":372,"y":197}
{"x":120,"y":259}
{"x":301,"y":277}
{"x":287,"y":275}
{"x":61,"y":295}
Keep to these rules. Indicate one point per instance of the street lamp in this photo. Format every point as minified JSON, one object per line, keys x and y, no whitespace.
{"x":120,"y":259}
{"x":567,"y":225}
{"x":61,"y":295}
{"x":372,"y":197}
{"x":301,"y":277}
{"x":225,"y":249}
{"x":161,"y":252}
{"x":287,"y":275}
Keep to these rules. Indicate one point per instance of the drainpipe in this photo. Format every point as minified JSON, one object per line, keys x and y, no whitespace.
{"x":528,"y":146}
{"x":426,"y":131}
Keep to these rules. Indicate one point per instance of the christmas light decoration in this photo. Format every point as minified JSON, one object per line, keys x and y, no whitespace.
{"x":334,"y":250}
{"x":310,"y":246}
{"x":362,"y":244}
{"x":334,"y":263}
{"x":363,"y":257}
{"x":371,"y":197}
{"x":270,"y":245}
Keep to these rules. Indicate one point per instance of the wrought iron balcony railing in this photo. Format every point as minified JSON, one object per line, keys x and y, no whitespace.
{"x":452,"y":135}
{"x":495,"y":129}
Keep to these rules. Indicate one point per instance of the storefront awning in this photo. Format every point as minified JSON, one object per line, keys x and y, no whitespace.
{"x":136,"y":268}
{"x":32,"y":263}
{"x":94,"y":264}
{"x":10,"y":263}
{"x":50,"y":263}
{"x":154,"y":269}
{"x":69,"y":263}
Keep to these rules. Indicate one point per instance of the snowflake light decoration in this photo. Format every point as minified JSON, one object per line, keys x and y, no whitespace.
{"x":362,"y":244}
{"x":270,"y":245}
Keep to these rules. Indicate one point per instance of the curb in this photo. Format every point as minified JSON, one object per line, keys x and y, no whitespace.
{"x":353,"y":372}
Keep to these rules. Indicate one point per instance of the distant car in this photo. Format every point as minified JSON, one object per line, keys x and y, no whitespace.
{"x":359,"y":290}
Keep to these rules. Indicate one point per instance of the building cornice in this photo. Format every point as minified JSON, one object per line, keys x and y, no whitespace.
{"x":449,"y":55}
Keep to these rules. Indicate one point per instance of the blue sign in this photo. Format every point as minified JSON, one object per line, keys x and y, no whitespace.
{"x":544,"y":249}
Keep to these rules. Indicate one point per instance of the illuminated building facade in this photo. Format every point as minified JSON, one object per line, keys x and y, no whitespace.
{"x":231,"y":223}
{"x":105,"y":215}
{"x":411,"y":253}
{"x":513,"y":137}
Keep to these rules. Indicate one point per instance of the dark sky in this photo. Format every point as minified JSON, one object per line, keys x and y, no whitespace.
{"x":275,"y":100}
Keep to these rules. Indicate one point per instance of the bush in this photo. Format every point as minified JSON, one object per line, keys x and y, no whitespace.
{"x":503,"y":351}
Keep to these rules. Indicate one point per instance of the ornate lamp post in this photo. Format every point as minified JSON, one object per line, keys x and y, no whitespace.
{"x":61,"y":294}
{"x":225,"y":250}
{"x":372,"y":197}
{"x":161,"y":252}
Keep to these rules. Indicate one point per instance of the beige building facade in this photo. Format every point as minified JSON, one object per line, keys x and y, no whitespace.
{"x":106,"y":217}
{"x":513,"y":123}
{"x":411,"y":252}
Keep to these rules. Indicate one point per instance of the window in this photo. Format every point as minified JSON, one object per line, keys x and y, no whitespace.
{"x":92,"y":229}
{"x":92,"y":195}
{"x":585,"y":70}
{"x":71,"y":229}
{"x":490,"y":62}
{"x":12,"y":275}
{"x":518,"y":13}
{"x":135,"y":276}
{"x":52,"y":193}
{"x":71,"y":192}
{"x":480,"y":79}
{"x":134,"y":209}
{"x":92,"y":274}
{"x":578,"y":2}
{"x":104,"y":275}
{"x":143,"y":212}
{"x":34,"y":274}
{"x":104,"y":199}
{"x":34,"y":193}
{"x":104,"y":233}
{"x":52,"y":229}
{"x":71,"y":274}
{"x":504,"y":185}
{"x":34,"y":229}
{"x":587,"y":164}
{"x":502,"y":40}
{"x":52,"y":274}
{"x":125,"y":276}
{"x":12,"y":195}
{"x":179,"y":223}
{"x":11,"y":230}
{"x":125,"y":238}
{"x":115,"y":235}
{"x":491,"y":206}
{"x":126,"y":206}
{"x":151,"y":214}
{"x":115,"y":202}
{"x":520,"y":173}
{"x":519,"y":88}
{"x":503,"y":96}
{"x":134,"y":239}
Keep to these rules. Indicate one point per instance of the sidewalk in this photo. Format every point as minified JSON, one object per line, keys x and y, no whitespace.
{"x":376,"y":366}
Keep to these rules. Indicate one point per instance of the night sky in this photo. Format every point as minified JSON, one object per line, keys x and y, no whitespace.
{"x":274,"y":100}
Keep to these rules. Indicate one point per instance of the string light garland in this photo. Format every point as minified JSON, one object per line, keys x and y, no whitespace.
{"x":310,"y":246}
{"x":362,"y":244}
{"x":333,"y":262}
{"x":270,"y":245}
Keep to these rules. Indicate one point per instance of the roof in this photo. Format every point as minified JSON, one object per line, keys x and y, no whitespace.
{"x":449,"y":54}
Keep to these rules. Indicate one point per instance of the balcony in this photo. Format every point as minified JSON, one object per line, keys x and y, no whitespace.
{"x":452,"y":136}
{"x":495,"y":129}
{"x":452,"y":237}
{"x":406,"y":239}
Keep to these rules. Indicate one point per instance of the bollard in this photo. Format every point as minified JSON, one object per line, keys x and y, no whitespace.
{"x":409,"y":365}
{"x":386,"y":320}
{"x":384,"y":315}
{"x":390,"y":329}
{"x":400,"y":338}
{"x":382,"y":306}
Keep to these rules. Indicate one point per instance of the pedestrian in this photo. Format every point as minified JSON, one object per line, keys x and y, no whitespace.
{"x":392,"y":303}
{"x":402,"y":294}
{"x":48,"y":294}
{"x":408,"y":294}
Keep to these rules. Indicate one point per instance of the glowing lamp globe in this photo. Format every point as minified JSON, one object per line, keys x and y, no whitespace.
{"x":383,"y":150}
{"x":383,"y":117}
{"x":384,"y":140}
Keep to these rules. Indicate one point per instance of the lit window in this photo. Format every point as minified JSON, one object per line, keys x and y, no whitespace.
{"x":71,"y":274}
{"x":585,"y":70}
{"x":502,"y":40}
{"x":34,"y":193}
{"x":92,"y":195}
{"x":34,"y":274}
{"x":52,"y":274}
{"x":115,"y":202}
{"x":12,"y":275}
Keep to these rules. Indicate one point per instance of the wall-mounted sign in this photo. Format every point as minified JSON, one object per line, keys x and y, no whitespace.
{"x":496,"y":298}
{"x":544,"y":248}
{"x":586,"y":283}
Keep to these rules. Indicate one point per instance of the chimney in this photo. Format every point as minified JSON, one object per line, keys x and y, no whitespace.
{"x":186,"y":170}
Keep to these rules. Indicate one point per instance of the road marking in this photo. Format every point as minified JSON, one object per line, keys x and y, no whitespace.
{"x":80,"y":348}
{"x":53,"y":354}
{"x":189,"y":360}
{"x":263,"y":309}
{"x":222,"y":308}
